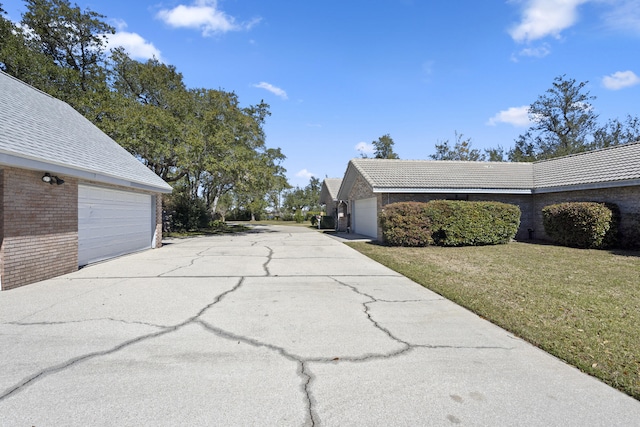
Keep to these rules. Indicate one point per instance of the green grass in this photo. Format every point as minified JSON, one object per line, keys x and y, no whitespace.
{"x":232,"y":227}
{"x":582,"y":306}
{"x":275,"y":222}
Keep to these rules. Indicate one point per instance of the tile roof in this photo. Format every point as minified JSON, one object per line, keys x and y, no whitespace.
{"x":612,"y":165}
{"x":428,"y":175}
{"x":38,"y":129}
{"x":332,"y":185}
{"x":609,"y":167}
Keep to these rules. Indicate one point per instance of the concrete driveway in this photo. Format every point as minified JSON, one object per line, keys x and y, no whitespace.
{"x":283,"y":326}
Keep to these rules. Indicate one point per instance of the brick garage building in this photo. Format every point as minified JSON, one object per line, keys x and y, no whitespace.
{"x":607,"y":175}
{"x":69,"y":194}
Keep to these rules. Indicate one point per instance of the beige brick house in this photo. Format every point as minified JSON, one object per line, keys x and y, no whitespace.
{"x":69,"y":194}
{"x":607,"y":175}
{"x":329,"y":199}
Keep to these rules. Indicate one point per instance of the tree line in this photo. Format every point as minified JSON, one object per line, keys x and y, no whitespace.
{"x":202,"y":141}
{"x":563,"y":121}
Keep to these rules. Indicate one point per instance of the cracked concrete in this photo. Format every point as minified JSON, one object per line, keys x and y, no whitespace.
{"x":281,"y":326}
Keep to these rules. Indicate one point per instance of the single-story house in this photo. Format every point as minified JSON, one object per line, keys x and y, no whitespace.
{"x":69,"y":194}
{"x":334,"y":207}
{"x":607,"y":175}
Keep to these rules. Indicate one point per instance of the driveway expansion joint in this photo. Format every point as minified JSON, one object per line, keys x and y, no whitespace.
{"x":99,"y":319}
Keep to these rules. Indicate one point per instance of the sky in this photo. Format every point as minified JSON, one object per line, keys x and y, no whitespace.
{"x":340,"y":74}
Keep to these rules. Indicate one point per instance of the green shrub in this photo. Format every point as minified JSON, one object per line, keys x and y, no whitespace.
{"x":462,"y":223}
{"x":184,"y":212}
{"x":406,"y":224}
{"x":449,"y":223}
{"x":582,"y":224}
{"x":218,"y":225}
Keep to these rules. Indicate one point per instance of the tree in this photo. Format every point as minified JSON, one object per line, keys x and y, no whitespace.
{"x":494,"y":154}
{"x":20,"y":60}
{"x":564,"y":122}
{"x":615,"y":132}
{"x":384,"y":148}
{"x":200,"y":140}
{"x":305,"y":199}
{"x":147,"y":114}
{"x":460,"y":151}
{"x":75,"y":41}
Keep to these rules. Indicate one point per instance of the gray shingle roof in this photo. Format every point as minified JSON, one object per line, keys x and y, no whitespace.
{"x":37,"y":130}
{"x":614,"y":166}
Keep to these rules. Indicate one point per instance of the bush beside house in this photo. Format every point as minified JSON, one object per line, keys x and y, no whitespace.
{"x":449,"y":223}
{"x":406,"y":224}
{"x":582,"y":224}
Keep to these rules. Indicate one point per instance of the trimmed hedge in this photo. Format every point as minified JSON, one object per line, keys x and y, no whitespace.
{"x":406,"y":224}
{"x":449,"y":223}
{"x":582,"y":224}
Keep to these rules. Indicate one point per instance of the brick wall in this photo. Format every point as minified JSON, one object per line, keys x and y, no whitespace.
{"x":627,"y":199}
{"x":39,"y":227}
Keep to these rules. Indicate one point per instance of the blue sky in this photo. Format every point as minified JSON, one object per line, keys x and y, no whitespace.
{"x":340,"y":74}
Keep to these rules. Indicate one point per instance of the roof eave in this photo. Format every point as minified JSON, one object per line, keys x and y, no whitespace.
{"x":35,"y":164}
{"x":588,"y":186}
{"x":452,"y":190}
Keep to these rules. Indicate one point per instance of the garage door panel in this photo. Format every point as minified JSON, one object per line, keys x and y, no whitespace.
{"x":366,"y":217}
{"x":112,"y":222}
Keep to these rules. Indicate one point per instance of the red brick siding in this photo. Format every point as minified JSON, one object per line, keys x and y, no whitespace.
{"x":40,"y":227}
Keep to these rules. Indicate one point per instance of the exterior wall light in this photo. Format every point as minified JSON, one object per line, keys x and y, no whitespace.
{"x":52,"y":179}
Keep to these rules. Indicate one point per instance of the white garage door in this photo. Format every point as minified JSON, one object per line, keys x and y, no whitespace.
{"x":366,"y":217}
{"x":112,"y":223}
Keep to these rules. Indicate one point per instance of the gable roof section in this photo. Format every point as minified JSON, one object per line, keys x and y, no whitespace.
{"x":330,"y":188}
{"x":435,"y":176}
{"x":614,"y":166}
{"x":38,"y":131}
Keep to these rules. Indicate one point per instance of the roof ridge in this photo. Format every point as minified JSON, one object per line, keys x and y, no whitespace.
{"x":367,"y":159}
{"x":583,"y":153}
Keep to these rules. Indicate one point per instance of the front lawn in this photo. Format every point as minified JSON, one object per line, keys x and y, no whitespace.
{"x":582,"y":306}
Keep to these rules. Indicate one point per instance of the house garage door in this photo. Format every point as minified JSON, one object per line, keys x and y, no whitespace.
{"x":366,"y":217}
{"x":112,"y":222}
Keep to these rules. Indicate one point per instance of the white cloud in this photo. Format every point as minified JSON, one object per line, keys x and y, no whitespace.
{"x":364,"y":148}
{"x":532,"y":52}
{"x":136,"y":46}
{"x":624,"y":15}
{"x":542,"y":18}
{"x":273,"y":89}
{"x":203,"y":15}
{"x":536,"y":52}
{"x":305,"y":174}
{"x":516,"y":116}
{"x":620,"y":80}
